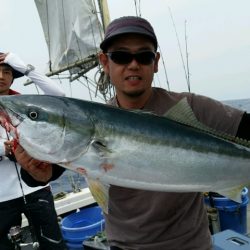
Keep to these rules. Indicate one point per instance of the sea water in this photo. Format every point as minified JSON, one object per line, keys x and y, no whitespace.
{"x":69,"y":181}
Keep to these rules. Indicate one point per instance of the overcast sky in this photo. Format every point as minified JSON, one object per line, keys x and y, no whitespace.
{"x":218,"y":42}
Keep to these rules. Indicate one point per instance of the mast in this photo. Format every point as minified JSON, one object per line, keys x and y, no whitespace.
{"x":104,"y":12}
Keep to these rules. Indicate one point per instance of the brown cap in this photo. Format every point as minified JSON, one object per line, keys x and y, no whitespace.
{"x":128,"y":25}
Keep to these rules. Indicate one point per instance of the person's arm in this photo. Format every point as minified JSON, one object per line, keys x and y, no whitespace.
{"x":35,"y":172}
{"x":48,"y":86}
{"x":243,"y":129}
{"x":32,"y":182}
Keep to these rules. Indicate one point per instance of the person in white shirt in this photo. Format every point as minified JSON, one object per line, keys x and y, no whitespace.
{"x":15,"y":196}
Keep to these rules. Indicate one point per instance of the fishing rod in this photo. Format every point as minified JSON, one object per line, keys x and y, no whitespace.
{"x":15,"y":233}
{"x":178,"y":41}
{"x":137,"y":8}
{"x":187,"y":61}
{"x":137,"y":4}
{"x":164,"y":67}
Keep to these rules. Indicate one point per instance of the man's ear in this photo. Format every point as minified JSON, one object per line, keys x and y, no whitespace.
{"x":103,"y":59}
{"x":157,"y":58}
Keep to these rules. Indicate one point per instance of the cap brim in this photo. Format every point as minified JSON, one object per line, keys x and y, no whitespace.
{"x":126,"y":30}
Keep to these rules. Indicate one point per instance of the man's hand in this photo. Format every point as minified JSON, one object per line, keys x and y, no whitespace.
{"x":14,"y":61}
{"x":40,"y":171}
{"x":8,"y":147}
{"x":2,"y":57}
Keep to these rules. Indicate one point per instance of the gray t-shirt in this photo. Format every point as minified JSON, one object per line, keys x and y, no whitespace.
{"x":147,"y":220}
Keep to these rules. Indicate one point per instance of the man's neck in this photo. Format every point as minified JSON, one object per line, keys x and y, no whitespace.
{"x":6,"y":92}
{"x":9,"y":92}
{"x":130,"y":104}
{"x":133,"y":102}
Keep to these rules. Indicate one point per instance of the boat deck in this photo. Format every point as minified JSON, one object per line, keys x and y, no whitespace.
{"x":84,"y":198}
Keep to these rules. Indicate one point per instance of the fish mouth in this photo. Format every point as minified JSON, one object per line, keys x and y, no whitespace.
{"x":9,"y":118}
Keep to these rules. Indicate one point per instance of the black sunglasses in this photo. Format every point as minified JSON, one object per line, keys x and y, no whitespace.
{"x":124,"y":57}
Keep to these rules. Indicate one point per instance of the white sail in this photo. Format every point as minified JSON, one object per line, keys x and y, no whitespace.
{"x":72,"y":32}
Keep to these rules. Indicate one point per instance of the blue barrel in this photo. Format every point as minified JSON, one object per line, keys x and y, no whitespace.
{"x":232,"y":215}
{"x":81,"y":225}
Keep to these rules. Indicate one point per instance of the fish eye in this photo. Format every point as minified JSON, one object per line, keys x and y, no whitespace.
{"x":33,"y":115}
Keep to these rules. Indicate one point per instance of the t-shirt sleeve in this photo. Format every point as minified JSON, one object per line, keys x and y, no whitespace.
{"x":216,"y":115}
{"x":30,"y":181}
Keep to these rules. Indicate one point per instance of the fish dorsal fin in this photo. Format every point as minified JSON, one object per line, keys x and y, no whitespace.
{"x":182,"y":113}
{"x":100,"y":192}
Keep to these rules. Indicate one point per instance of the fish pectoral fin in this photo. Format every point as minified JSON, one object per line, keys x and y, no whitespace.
{"x":234,"y":194}
{"x":101,"y":146}
{"x":100,"y":192}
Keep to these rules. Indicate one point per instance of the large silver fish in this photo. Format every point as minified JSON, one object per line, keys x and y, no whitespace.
{"x":128,"y":148}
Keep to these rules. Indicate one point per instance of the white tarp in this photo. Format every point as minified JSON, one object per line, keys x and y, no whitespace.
{"x":71,"y":28}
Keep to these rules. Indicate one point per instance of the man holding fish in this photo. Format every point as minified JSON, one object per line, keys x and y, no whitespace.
{"x":139,"y":219}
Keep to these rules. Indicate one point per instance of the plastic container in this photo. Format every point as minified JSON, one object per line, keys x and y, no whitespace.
{"x":232,"y":215}
{"x":230,"y":240}
{"x":81,"y":225}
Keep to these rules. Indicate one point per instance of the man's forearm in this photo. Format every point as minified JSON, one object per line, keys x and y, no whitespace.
{"x":32,"y":182}
{"x":243,"y":130}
